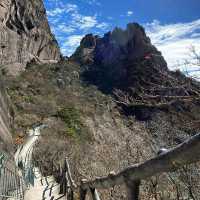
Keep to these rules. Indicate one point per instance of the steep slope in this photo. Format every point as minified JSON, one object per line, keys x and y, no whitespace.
{"x":92,"y":103}
{"x":25,"y":34}
{"x":89,"y":127}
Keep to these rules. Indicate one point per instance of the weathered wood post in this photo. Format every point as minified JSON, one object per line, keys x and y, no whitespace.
{"x":133,"y":189}
{"x":70,"y":196}
{"x":95,"y":195}
{"x":83,"y":192}
{"x":63,"y":181}
{"x":68,"y":172}
{"x":70,"y":182}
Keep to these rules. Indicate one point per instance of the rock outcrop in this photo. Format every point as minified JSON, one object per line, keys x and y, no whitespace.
{"x":114,"y":57}
{"x":118,"y":45}
{"x":25,"y":34}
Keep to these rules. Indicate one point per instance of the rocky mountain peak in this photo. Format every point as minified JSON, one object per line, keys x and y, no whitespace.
{"x":25,"y":34}
{"x":117,"y":46}
{"x":89,"y":41}
{"x":119,"y":59}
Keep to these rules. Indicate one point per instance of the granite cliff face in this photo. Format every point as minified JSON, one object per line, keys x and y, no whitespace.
{"x":25,"y":34}
{"x":5,"y":121}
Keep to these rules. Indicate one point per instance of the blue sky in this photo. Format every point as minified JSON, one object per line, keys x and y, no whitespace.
{"x":173,"y":25}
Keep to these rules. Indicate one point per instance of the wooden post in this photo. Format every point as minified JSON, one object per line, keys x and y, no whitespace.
{"x":133,"y":189}
{"x":70,"y":195}
{"x":95,"y":195}
{"x":83,"y":192}
{"x":68,"y":172}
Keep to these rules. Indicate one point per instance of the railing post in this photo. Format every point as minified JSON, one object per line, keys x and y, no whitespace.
{"x":68,"y":173}
{"x":95,"y":195}
{"x":133,"y":189}
{"x":70,"y":195}
{"x":83,"y":192}
{"x":70,"y":182}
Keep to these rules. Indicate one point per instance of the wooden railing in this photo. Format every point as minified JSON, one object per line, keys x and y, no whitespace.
{"x":11,"y":184}
{"x":67,"y":184}
{"x":186,"y":153}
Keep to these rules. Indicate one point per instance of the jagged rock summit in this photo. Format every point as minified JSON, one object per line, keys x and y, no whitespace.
{"x":124,"y":63}
{"x":116,"y":58}
{"x":118,"y":45}
{"x":25,"y":34}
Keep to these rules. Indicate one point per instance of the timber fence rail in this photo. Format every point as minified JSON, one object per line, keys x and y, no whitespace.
{"x":186,"y":153}
{"x":67,"y":184}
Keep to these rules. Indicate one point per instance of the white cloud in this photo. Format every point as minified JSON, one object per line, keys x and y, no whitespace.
{"x":92,"y":2}
{"x":54,"y":12}
{"x":69,"y":24}
{"x":103,"y":26}
{"x":129,"y":13}
{"x":175,"y":40}
{"x":73,"y":40}
{"x":84,"y":22}
{"x":70,"y":44}
{"x":61,"y":9}
{"x":74,"y":19}
{"x":64,"y":28}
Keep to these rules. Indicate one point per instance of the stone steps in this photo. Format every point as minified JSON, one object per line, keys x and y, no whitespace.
{"x":45,"y":188}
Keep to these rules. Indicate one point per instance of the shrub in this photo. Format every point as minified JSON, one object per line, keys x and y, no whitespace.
{"x":72,"y":118}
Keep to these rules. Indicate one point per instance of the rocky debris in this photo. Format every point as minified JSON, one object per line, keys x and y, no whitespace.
{"x":25,"y":34}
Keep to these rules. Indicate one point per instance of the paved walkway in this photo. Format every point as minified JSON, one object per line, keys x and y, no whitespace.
{"x":44,"y":188}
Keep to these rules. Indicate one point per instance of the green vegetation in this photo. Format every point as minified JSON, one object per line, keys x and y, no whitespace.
{"x":72,"y":118}
{"x":55,"y":92}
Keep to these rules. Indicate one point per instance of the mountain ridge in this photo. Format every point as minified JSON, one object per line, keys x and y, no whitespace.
{"x":114,"y":103}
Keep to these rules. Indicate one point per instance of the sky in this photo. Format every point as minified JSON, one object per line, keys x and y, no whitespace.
{"x":172,"y":25}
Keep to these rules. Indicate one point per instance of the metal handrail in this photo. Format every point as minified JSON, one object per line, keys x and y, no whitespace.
{"x":11,"y":183}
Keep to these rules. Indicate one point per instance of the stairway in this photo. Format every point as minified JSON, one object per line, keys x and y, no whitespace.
{"x":45,"y":188}
{"x":37,"y":186}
